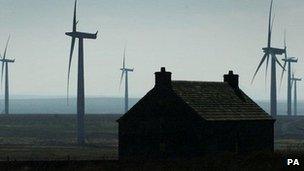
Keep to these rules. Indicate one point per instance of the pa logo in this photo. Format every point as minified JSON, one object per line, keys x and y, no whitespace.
{"x":293,"y":162}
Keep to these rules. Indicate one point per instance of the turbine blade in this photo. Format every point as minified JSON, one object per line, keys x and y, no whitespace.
{"x":279,"y":63}
{"x":69,"y":69}
{"x":272,"y":22}
{"x":282,"y":75}
{"x":285,"y":45}
{"x":121,"y":77}
{"x":258,"y":68}
{"x":267,"y":62}
{"x":285,"y":56}
{"x":269,"y":25}
{"x":2,"y":74}
{"x":4,"y":55}
{"x":292,"y":82}
{"x":74,"y":17}
{"x":284,"y":37}
{"x":124,"y":58}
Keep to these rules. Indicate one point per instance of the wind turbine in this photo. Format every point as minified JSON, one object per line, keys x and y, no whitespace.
{"x":271,"y":52}
{"x":124,"y":72}
{"x":288,"y":60}
{"x":295,"y":100}
{"x":80,"y":82}
{"x":5,"y":62}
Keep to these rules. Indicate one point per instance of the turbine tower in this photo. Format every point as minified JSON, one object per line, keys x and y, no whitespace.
{"x":288,"y":60}
{"x":80,"y":82}
{"x":124,"y":72}
{"x":295,"y":100}
{"x":5,"y":62}
{"x":271,"y":52}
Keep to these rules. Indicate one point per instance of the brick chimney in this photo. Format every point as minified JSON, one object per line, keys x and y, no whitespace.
{"x":163,"y":78}
{"x":232,"y":79}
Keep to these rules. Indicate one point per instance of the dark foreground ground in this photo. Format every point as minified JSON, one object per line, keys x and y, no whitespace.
{"x":47,"y":142}
{"x":258,"y":161}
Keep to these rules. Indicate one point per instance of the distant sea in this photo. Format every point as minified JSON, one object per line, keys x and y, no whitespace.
{"x":99,"y":105}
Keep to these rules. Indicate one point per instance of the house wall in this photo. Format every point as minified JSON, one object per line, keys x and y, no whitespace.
{"x":157,"y":139}
{"x":192,"y":138}
{"x":238,"y":136}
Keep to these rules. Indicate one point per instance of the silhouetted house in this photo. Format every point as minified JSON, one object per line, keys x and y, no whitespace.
{"x":185,"y":119}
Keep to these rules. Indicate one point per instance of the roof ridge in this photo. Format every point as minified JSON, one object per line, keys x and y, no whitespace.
{"x":195,"y":81}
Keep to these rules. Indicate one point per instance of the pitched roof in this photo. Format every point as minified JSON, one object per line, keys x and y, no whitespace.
{"x":218,"y":101}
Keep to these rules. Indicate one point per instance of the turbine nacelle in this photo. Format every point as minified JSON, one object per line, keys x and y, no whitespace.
{"x":296,"y":79}
{"x":8,"y":60}
{"x":127,"y":69}
{"x":82,"y":35}
{"x":276,"y":51}
{"x":291,"y":59}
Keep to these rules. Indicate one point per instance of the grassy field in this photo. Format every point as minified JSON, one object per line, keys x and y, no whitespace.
{"x":36,"y":137}
{"x":289,"y":134}
{"x":52,"y":137}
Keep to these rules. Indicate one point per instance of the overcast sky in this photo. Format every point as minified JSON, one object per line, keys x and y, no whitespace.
{"x":194,"y":39}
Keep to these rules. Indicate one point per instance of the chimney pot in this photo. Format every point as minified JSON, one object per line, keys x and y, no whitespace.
{"x":232,"y":79}
{"x":163,"y":78}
